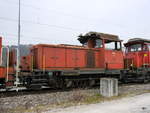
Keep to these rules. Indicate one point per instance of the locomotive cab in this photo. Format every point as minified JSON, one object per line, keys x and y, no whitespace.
{"x":137,"y":61}
{"x":137,"y":53}
{"x":110,"y":49}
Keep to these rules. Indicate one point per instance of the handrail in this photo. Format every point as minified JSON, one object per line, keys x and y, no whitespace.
{"x":1,"y":57}
{"x":1,"y":62}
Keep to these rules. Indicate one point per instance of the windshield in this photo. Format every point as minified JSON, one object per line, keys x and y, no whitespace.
{"x":135,"y":47}
{"x":149,"y":47}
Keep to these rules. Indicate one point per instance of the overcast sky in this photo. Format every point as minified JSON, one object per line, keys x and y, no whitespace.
{"x":61,"y":21}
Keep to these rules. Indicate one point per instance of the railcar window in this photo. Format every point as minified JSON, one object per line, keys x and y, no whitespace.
{"x":135,"y":47}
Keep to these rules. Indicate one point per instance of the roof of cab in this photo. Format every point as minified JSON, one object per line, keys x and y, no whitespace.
{"x":136,"y":40}
{"x":89,"y":35}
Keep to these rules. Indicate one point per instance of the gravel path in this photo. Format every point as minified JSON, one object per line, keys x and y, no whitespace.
{"x":137,"y":104}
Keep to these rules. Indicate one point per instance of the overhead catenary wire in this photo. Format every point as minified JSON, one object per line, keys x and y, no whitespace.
{"x":52,"y":10}
{"x":9,"y":38}
{"x":70,"y":15}
{"x":36,"y":23}
{"x":42,"y":24}
{"x":67,"y":14}
{"x":22,"y":35}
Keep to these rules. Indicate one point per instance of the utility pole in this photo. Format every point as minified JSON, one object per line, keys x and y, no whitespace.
{"x":18,"y":50}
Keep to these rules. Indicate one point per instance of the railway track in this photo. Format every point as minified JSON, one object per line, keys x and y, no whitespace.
{"x":42,"y":91}
{"x":29,"y":92}
{"x":23,"y":92}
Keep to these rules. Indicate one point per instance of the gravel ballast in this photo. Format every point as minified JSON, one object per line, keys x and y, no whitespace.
{"x":25,"y":102}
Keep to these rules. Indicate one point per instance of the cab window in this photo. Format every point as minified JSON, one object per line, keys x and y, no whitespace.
{"x":113,"y":46}
{"x":135,"y":48}
{"x":85,"y":44}
{"x":98,"y":43}
{"x":145,"y":47}
{"x":149,"y":47}
{"x":94,"y":43}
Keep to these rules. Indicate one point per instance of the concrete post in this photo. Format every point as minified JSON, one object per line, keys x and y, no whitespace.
{"x":109,"y":87}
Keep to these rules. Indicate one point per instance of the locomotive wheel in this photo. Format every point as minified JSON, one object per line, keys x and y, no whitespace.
{"x":60,"y":84}
{"x":84,"y":84}
{"x":91,"y":83}
{"x":145,"y":80}
{"x":76,"y":83}
{"x":28,"y":83}
{"x":69,"y":83}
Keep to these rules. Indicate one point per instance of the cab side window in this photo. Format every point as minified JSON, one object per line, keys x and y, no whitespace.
{"x":98,"y":43}
{"x":149,"y":47}
{"x":145,"y":48}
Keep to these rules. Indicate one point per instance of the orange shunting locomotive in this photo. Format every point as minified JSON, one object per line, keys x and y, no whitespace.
{"x":63,"y":66}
